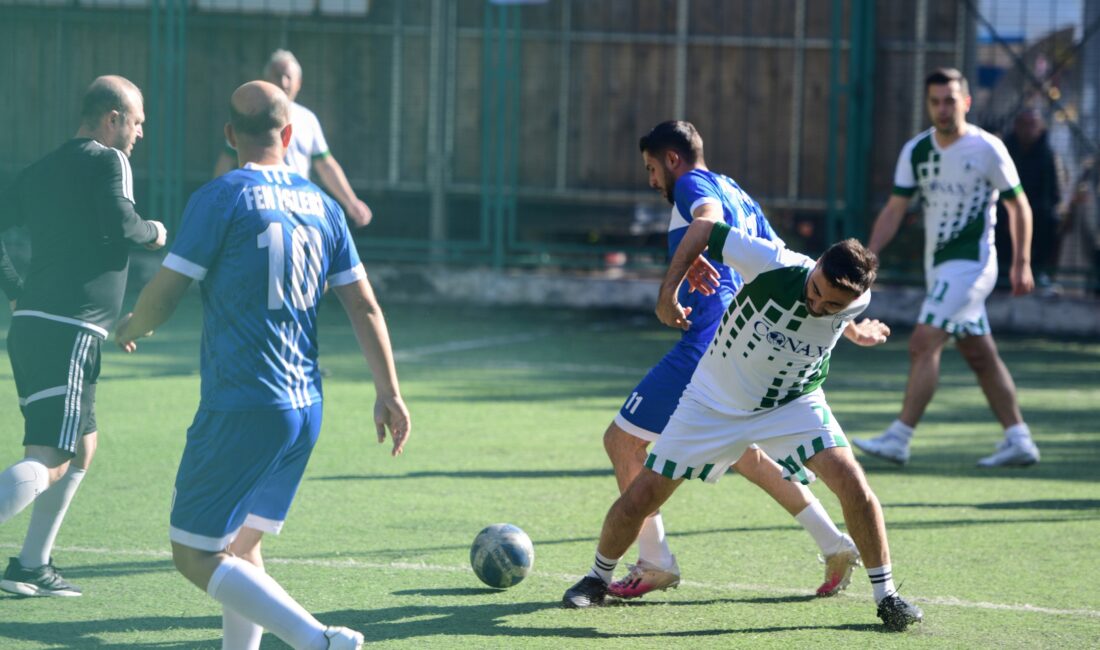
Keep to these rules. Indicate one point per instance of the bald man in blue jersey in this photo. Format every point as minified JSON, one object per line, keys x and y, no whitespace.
{"x":262,"y":242}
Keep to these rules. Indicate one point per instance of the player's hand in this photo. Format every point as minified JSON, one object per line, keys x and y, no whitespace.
{"x":702,"y":276}
{"x":391,"y":413}
{"x":1023,"y":282}
{"x":162,"y":237}
{"x":672,"y":313}
{"x":127,"y":341}
{"x":358,"y":214}
{"x":868,"y":332}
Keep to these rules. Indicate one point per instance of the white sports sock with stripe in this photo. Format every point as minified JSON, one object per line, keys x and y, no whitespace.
{"x":882,"y":582}
{"x":246,"y":589}
{"x":20,"y":484}
{"x":603,"y":568}
{"x":49,"y":511}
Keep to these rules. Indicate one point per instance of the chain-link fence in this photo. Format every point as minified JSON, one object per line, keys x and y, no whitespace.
{"x":505,"y":133}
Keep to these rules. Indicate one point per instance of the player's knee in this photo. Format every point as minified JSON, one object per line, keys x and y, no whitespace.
{"x":979,"y":358}
{"x":620,"y":445}
{"x":643,"y":497}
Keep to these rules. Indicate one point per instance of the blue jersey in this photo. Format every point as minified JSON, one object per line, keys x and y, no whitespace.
{"x":740,"y":211}
{"x":262,"y":242}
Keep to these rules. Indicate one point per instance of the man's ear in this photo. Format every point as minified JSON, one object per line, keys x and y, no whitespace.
{"x":672,"y":159}
{"x":285,"y":134}
{"x":230,"y":136}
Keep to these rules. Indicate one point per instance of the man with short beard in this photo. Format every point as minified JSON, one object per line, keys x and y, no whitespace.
{"x":78,"y":205}
{"x":961,"y":171}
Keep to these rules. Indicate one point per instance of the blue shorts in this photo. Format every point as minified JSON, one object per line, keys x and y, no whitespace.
{"x":649,"y":407}
{"x":240,"y":468}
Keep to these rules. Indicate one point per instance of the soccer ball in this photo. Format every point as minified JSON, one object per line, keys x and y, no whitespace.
{"x":502,"y":555}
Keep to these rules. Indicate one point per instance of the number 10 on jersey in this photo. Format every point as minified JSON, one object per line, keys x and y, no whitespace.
{"x":304,"y":278}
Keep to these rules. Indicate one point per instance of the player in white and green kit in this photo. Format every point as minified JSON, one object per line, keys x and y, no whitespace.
{"x":760,"y":383}
{"x":960,"y":171}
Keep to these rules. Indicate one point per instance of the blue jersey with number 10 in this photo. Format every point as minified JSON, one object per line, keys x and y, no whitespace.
{"x":262,"y":242}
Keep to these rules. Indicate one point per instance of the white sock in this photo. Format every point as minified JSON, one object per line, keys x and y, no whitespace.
{"x":818,"y":524}
{"x":901,"y":430}
{"x":20,"y":484}
{"x":239,"y":633}
{"x":882,"y":581}
{"x":652,"y":545}
{"x":253,"y":594}
{"x":46,"y":517}
{"x":603,"y":568}
{"x":1018,"y":433}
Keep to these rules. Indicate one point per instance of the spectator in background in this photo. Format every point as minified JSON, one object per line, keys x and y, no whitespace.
{"x":1085,"y":208}
{"x":1037,"y":165}
{"x":308,"y":148}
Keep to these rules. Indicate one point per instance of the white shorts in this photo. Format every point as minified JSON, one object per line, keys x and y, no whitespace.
{"x":700,"y":442}
{"x":955,"y":302}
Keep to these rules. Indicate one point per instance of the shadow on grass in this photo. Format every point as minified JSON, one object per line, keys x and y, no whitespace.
{"x":390,"y":623}
{"x":88,"y":634}
{"x":1040,"y":504}
{"x":475,"y":474}
{"x":492,"y":620}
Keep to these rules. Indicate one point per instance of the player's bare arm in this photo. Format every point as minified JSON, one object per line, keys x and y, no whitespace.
{"x":332,"y":175}
{"x":370,"y":328}
{"x":669,"y":310}
{"x":868,"y":332}
{"x":1019,"y":227}
{"x":887,"y":222}
{"x":155,"y":305}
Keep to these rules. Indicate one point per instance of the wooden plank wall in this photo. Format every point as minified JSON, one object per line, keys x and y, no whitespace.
{"x":622,"y":80}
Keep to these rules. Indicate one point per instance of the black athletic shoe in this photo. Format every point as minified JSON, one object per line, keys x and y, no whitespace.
{"x":896,"y":614}
{"x":589,"y":592}
{"x":41,"y":581}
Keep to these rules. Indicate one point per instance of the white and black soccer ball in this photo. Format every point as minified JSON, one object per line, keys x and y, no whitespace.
{"x":502,"y":555}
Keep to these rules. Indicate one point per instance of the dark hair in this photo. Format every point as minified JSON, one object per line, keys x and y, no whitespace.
{"x":104,"y":95}
{"x":263,"y":127}
{"x":944,"y":76}
{"x":676,"y":135}
{"x":848,"y":265}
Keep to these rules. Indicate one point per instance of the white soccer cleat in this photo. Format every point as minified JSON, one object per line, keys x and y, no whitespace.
{"x":1012,"y":453}
{"x":838,"y":568}
{"x":644,"y":578}
{"x":341,"y":638}
{"x":889,"y":446}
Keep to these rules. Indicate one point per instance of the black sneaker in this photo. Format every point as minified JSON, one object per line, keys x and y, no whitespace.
{"x":41,"y":581}
{"x":896,"y":614}
{"x":589,"y":592}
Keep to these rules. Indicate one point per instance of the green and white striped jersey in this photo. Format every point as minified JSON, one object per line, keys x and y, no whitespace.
{"x":960,"y":186}
{"x":768,"y":349}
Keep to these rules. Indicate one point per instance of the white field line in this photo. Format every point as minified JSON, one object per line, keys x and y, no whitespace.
{"x":469,"y":344}
{"x":945,"y":601}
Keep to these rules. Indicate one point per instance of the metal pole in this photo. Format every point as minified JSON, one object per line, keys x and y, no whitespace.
{"x":396,"y":52}
{"x":916,"y":118}
{"x":798,"y":93}
{"x":832,"y":155}
{"x":565,"y":83}
{"x":437,"y":227}
{"x":681,"y":59}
